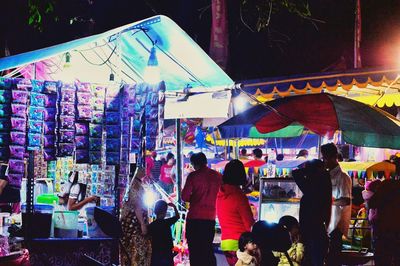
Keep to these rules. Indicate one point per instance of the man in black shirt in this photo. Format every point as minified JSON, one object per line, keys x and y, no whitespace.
{"x":161,"y":235}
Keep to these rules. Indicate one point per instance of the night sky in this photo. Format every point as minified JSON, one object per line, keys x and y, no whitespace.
{"x":290,"y":45}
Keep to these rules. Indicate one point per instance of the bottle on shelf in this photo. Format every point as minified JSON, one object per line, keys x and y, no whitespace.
{"x":271,"y":164}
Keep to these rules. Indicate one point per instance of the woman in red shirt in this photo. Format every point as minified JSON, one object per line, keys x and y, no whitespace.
{"x":233,"y":209}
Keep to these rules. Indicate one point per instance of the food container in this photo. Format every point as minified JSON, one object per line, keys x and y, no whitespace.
{"x":65,"y":224}
{"x":39,"y":221}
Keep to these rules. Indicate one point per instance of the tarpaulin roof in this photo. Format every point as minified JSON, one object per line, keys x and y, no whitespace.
{"x":353,"y":83}
{"x":181,"y":61}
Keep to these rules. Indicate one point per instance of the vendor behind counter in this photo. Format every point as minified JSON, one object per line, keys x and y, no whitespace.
{"x":10,"y":196}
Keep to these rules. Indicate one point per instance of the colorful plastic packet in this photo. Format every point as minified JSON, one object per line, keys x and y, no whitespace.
{"x":50,"y":100}
{"x":49,"y":141}
{"x":19,"y":96}
{"x":36,"y":113}
{"x":18,"y":138}
{"x":16,"y":166}
{"x":49,"y":128}
{"x":82,"y":142}
{"x":50,"y":114}
{"x":95,"y":144}
{"x":34,"y":140}
{"x":113,"y":131}
{"x":112,"y":158}
{"x":4,"y":152}
{"x":37,"y":99}
{"x":37,"y":86}
{"x":113,"y":145}
{"x":81,"y":129}
{"x":5,"y":124}
{"x":5,"y":96}
{"x":95,"y":157}
{"x":112,"y":118}
{"x":67,"y":123}
{"x":67,"y":136}
{"x":84,"y":112}
{"x":49,"y":155}
{"x":84,"y":98}
{"x":15,"y":180}
{"x":95,"y":131}
{"x":66,"y":149}
{"x":67,"y":109}
{"x":35,"y":126}
{"x":51,"y":87}
{"x":98,"y":117}
{"x":82,"y":156}
{"x":17,"y":152}
{"x":4,"y":139}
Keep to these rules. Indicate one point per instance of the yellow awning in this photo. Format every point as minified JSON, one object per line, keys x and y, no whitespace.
{"x":380,"y":100}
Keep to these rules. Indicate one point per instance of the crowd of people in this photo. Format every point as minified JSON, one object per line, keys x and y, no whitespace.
{"x":316,"y":239}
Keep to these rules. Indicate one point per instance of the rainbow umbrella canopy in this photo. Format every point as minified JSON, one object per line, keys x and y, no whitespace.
{"x":323,"y":114}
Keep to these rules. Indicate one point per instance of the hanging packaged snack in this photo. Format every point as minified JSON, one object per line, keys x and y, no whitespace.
{"x":15,"y":180}
{"x":124,"y":156}
{"x":5,"y":96}
{"x":34,"y":141}
{"x":4,"y":152}
{"x":4,"y":139}
{"x":82,"y":156}
{"x":84,"y":112}
{"x":37,"y":99}
{"x":112,"y":104}
{"x":82,"y":129}
{"x":112,"y":158}
{"x":67,"y":136}
{"x":18,"y":138}
{"x":98,"y":117}
{"x":50,"y":100}
{"x":96,"y":131}
{"x":83,"y":98}
{"x":49,"y":141}
{"x":16,"y":166}
{"x":20,"y":97}
{"x":66,"y":149}
{"x":51,"y":87}
{"x":37,"y":86}
{"x":50,"y":114}
{"x":82,"y":142}
{"x":83,"y":86}
{"x":23,"y":84}
{"x":125,"y":142}
{"x":49,"y":154}
{"x":36,"y":113}
{"x":67,"y":123}
{"x":67,"y":94}
{"x":113,"y":131}
{"x":67,"y":109}
{"x":95,"y":144}
{"x":95,"y":157}
{"x":35,"y":126}
{"x":5,"y":110}
{"x":49,"y":128}
{"x":113,"y":145}
{"x":5,"y":124}
{"x":17,"y":152}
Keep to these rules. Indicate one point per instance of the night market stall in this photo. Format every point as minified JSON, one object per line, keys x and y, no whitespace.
{"x":92,"y":107}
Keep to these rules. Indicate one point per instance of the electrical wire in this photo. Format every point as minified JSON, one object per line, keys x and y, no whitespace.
{"x":96,"y":64}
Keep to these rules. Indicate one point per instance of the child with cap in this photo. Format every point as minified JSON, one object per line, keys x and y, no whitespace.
{"x":248,"y":253}
{"x":161,"y":235}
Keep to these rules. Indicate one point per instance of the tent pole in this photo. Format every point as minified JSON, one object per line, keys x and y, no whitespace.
{"x":319,"y":146}
{"x":178,"y":160}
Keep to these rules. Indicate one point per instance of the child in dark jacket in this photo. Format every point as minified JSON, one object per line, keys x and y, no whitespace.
{"x":161,"y":235}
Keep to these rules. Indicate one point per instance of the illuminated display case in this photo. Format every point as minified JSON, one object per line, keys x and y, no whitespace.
{"x":278,"y":197}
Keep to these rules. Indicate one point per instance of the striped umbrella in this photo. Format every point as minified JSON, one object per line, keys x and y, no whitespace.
{"x":323,"y":114}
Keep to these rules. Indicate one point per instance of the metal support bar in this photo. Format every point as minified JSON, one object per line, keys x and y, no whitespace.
{"x":178,"y":159}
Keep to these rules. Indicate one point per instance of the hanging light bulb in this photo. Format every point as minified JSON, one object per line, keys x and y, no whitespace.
{"x":67,"y":60}
{"x":152,"y":71}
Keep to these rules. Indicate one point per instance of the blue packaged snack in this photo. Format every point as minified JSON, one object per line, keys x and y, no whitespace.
{"x":50,"y":114}
{"x":4,"y":139}
{"x":67,"y":136}
{"x":4,"y":153}
{"x":5,"y":110}
{"x":81,"y":129}
{"x":82,"y":142}
{"x":19,"y":96}
{"x":112,"y":158}
{"x":50,"y":174}
{"x":112,"y":118}
{"x":95,"y":144}
{"x":17,"y":152}
{"x":37,"y":86}
{"x":36,"y":113}
{"x":82,"y":156}
{"x":49,"y":128}
{"x":34,"y":140}
{"x":51,"y":87}
{"x":35,"y":126}
{"x":6,"y":83}
{"x":95,"y":131}
{"x":125,"y":128}
{"x":5,"y":124}
{"x":5,"y":96}
{"x":37,"y":99}
{"x":95,"y":157}
{"x":125,"y":156}
{"x":113,"y":145}
{"x":135,"y":144}
{"x":49,"y":141}
{"x":125,"y":142}
{"x":113,"y":131}
{"x":18,"y":138}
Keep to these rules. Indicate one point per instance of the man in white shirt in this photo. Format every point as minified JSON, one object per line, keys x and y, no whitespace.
{"x":341,"y":205}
